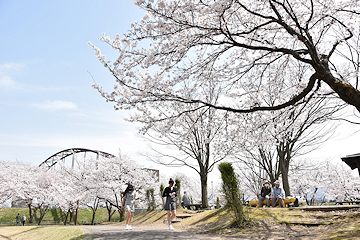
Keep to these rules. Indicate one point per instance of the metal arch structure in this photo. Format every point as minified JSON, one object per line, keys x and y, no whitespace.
{"x":60,"y":156}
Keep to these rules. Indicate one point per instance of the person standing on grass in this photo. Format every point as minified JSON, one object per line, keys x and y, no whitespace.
{"x":18,"y":219}
{"x":170,"y":204}
{"x":129,"y":203}
{"x":23,"y":219}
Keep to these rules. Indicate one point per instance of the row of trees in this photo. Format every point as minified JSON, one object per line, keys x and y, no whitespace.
{"x":92,"y":181}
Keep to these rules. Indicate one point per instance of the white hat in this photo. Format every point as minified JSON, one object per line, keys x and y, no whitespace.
{"x":277,"y":182}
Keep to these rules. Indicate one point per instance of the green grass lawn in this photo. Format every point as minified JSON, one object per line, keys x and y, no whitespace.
{"x":36,"y":232}
{"x":54,"y":216}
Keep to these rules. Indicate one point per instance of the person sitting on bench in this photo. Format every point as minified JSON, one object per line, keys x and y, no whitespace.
{"x":186,"y":200}
{"x":265,"y":194}
{"x":278,"y":195}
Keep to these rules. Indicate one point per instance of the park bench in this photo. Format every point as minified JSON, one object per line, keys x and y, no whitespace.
{"x":287,"y":201}
{"x":191,"y":206}
{"x":347,"y":202}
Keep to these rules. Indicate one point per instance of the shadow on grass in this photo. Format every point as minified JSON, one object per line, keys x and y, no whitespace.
{"x":82,"y":237}
{"x":27,"y":231}
{"x":354,"y":234}
{"x":144,"y":217}
{"x":215,"y":215}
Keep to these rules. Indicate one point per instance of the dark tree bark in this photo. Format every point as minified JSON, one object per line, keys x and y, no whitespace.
{"x":43,"y":211}
{"x":66,"y":217}
{"x":109,"y":210}
{"x":94,"y":208}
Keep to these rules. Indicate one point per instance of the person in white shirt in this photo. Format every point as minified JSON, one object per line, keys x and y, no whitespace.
{"x":278,"y":195}
{"x":128,"y":202}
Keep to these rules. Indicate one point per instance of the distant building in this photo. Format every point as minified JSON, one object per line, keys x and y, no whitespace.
{"x":156,"y":172}
{"x":19,"y":203}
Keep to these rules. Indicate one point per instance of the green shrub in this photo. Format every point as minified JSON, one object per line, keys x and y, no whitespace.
{"x":150,"y":198}
{"x":231,"y":190}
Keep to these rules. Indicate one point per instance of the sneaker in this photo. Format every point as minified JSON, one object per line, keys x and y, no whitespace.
{"x":167,"y":223}
{"x":129,"y":227}
{"x":171,"y":228}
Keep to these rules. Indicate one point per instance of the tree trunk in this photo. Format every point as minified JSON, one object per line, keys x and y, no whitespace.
{"x":284,"y":161}
{"x":94,"y":209}
{"x":71,"y":215}
{"x":42,"y":213}
{"x":109,"y":208}
{"x":31,"y":216}
{"x":93,"y":217}
{"x":285,"y":181}
{"x":66,"y":217}
{"x":204,"y":193}
{"x":121,"y":215}
{"x":76,"y":214}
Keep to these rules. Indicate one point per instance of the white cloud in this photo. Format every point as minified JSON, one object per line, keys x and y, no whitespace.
{"x":8,"y":83}
{"x":55,"y":105}
{"x":12,"y":66}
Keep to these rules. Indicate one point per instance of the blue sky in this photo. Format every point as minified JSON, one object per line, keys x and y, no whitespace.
{"x":46,"y":100}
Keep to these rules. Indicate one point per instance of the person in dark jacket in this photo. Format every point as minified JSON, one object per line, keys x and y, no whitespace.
{"x":170,"y":204}
{"x":18,"y":219}
{"x":265,"y":194}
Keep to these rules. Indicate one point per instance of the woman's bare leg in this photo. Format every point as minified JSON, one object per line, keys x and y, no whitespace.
{"x":173,"y":215}
{"x":128,"y":218}
{"x":169,"y":217}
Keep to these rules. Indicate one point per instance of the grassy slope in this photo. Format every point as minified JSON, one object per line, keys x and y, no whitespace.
{"x":267,"y":223}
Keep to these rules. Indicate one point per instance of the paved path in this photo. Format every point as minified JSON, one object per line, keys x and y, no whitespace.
{"x":144,"y":232}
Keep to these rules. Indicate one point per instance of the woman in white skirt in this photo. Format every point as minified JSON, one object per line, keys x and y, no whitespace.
{"x":129,"y":203}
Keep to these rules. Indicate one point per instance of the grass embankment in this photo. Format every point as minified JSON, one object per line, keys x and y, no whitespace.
{"x":266,"y":223}
{"x":49,"y":233}
{"x":54,"y":216}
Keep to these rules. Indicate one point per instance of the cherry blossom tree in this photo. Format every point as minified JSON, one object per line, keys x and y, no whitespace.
{"x":6,"y":188}
{"x":90,"y":181}
{"x":191,"y":185}
{"x":195,"y":139}
{"x":47,"y":194}
{"x":106,"y":178}
{"x":241,"y":45}
{"x":270,"y":150}
{"x":23,"y":181}
{"x":326,"y":181}
{"x":68,"y":194}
